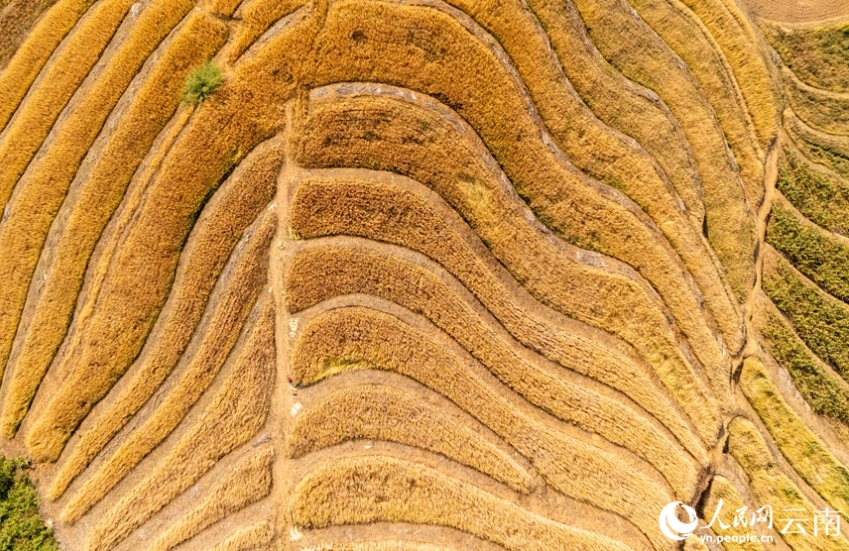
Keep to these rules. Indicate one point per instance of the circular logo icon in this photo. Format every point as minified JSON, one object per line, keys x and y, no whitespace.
{"x":673,"y":528}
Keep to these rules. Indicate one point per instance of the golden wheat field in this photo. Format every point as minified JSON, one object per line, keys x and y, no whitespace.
{"x":424,"y":275}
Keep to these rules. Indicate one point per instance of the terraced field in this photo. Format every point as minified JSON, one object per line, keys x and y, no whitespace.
{"x":426,"y":275}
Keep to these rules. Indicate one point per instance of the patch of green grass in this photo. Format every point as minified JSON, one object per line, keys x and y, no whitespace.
{"x":824,"y":261}
{"x":820,"y":320}
{"x":202,"y":83}
{"x":823,"y":392}
{"x":821,"y":198}
{"x":21,"y":527}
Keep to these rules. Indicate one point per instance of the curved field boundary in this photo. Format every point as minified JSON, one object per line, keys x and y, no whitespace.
{"x":248,"y":482}
{"x":236,"y":413}
{"x":43,"y":187}
{"x":808,"y":455}
{"x":722,"y":489}
{"x":383,"y":412}
{"x":50,"y":93}
{"x":564,"y":457}
{"x":649,"y":61}
{"x":828,"y":149}
{"x":17,"y":18}
{"x":815,"y":52}
{"x":33,"y":54}
{"x":256,"y":537}
{"x":769,"y":485}
{"x":818,"y":318}
{"x":93,"y":197}
{"x":820,"y":255}
{"x":556,"y":392}
{"x":327,"y":496}
{"x":622,"y":104}
{"x":254,"y":17}
{"x":221,"y":225}
{"x":215,"y":342}
{"x":824,"y":110}
{"x":371,"y":207}
{"x":819,"y":194}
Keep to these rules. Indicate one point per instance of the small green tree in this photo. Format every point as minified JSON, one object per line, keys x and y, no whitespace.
{"x":202,"y":82}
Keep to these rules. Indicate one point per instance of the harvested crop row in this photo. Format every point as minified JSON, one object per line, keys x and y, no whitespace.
{"x":381,"y":412}
{"x":722,"y":494}
{"x":827,"y":149}
{"x":560,"y":196}
{"x":94,"y":195}
{"x":620,"y":103}
{"x":687,"y":36}
{"x":246,"y":482}
{"x":808,"y":455}
{"x":40,"y":192}
{"x":821,"y":256}
{"x":820,"y":195}
{"x":61,"y":78}
{"x":819,"y":319}
{"x":17,"y":18}
{"x":244,"y":112}
{"x":231,"y":210}
{"x":827,"y":394}
{"x":614,"y":159}
{"x":344,"y":491}
{"x":362,"y":338}
{"x":240,"y":286}
{"x":771,"y":486}
{"x":256,"y":537}
{"x":254,"y":18}
{"x":648,"y":60}
{"x":236,"y":413}
{"x":746,"y":56}
{"x":28,"y":61}
{"x":815,"y":53}
{"x":390,"y":208}
{"x":821,"y":109}
{"x":482,"y":196}
{"x":364,"y":268}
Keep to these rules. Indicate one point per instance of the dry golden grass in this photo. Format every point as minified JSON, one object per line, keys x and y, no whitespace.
{"x":40,"y":192}
{"x":577,"y":283}
{"x":820,"y":255}
{"x":617,"y":161}
{"x":742,"y":48}
{"x":821,"y":109}
{"x":247,"y":482}
{"x":804,"y":450}
{"x":62,"y":77}
{"x":827,"y":394}
{"x":31,"y":56}
{"x":255,"y":17}
{"x":559,"y":196}
{"x":359,"y":490}
{"x":390,"y":208}
{"x":687,"y":35}
{"x":254,"y":537}
{"x":821,"y":196}
{"x":819,"y":319}
{"x":95,"y":194}
{"x":620,"y":103}
{"x":721,"y":489}
{"x":381,"y":412}
{"x":17,"y":18}
{"x":238,"y":202}
{"x":815,"y":53}
{"x":216,"y":339}
{"x":634,"y":48}
{"x":769,"y":485}
{"x":568,"y":463}
{"x":236,"y":413}
{"x":384,"y":545}
{"x":358,"y":270}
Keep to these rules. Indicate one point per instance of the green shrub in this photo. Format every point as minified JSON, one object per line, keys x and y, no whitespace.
{"x":202,"y":82}
{"x":820,"y":197}
{"x":21,"y":527}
